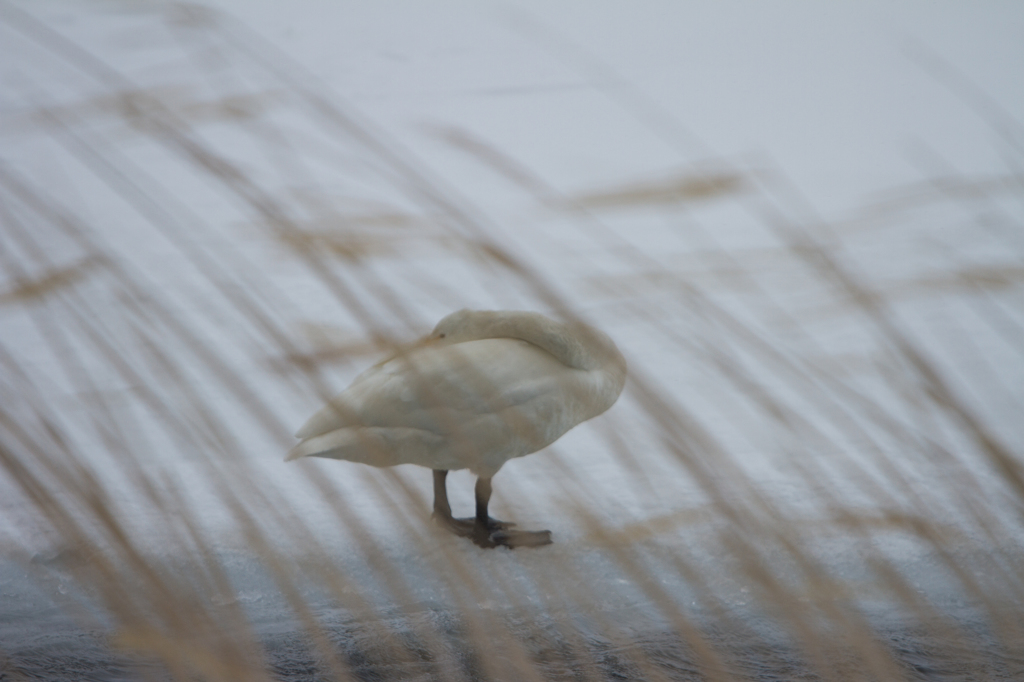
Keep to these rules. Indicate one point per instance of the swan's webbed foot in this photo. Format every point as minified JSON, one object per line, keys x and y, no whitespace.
{"x":512,"y":538}
{"x":482,"y":529}
{"x":465,"y":527}
{"x":492,"y":534}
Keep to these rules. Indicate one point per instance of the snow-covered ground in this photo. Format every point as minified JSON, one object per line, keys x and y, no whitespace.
{"x":800,"y":223}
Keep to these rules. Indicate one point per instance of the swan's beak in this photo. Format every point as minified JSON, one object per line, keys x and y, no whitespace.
{"x":426,"y":341}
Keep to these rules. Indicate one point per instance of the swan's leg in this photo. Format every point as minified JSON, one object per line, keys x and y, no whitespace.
{"x":441,"y":507}
{"x":482,"y":492}
{"x":488,"y":534}
{"x":443,"y":511}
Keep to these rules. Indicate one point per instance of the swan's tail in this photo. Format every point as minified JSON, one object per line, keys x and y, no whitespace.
{"x":353,"y":444}
{"x":377,"y":446}
{"x":299,"y":451}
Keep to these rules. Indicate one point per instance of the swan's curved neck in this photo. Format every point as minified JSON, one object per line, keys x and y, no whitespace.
{"x":574,"y":344}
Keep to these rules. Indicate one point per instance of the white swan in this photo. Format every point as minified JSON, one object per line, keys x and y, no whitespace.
{"x":482,"y":388}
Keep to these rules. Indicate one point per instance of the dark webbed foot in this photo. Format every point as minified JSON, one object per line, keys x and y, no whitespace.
{"x":512,"y":538}
{"x":482,"y":529}
{"x":494,"y":533}
{"x":467,"y":526}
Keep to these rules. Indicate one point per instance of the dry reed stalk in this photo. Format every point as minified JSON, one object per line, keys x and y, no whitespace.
{"x":153,"y":573}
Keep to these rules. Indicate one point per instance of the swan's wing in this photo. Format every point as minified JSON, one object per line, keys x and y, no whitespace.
{"x":443,"y":389}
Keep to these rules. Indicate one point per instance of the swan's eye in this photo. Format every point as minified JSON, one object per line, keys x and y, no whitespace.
{"x":440,"y":336}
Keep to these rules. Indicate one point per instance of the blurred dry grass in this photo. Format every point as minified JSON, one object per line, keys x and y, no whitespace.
{"x":815,"y":472}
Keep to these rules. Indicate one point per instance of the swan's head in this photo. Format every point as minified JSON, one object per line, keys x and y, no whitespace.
{"x":474,"y":325}
{"x":575,"y":344}
{"x":462,"y":325}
